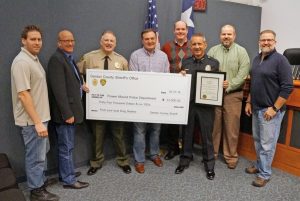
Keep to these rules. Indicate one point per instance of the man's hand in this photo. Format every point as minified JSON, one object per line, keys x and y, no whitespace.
{"x":70,"y":120}
{"x":225,"y":84}
{"x":183,"y":72}
{"x":85,"y":88}
{"x":41,"y":129}
{"x":248,"y":109}
{"x":269,"y":114}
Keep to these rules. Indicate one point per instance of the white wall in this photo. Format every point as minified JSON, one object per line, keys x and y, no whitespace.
{"x":249,"y":2}
{"x":282,"y":16}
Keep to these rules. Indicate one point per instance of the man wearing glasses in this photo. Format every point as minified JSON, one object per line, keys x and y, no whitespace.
{"x":271,"y":85}
{"x":65,"y":95}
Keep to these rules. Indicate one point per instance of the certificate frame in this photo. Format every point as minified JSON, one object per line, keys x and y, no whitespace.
{"x":209,"y":88}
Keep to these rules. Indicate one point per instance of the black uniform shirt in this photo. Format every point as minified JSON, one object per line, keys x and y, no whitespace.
{"x":191,"y":65}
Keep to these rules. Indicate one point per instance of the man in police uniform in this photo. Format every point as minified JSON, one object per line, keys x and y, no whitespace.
{"x":201,"y":115}
{"x":105,"y":58}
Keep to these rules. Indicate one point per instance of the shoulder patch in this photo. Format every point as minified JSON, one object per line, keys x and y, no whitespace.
{"x":211,"y":58}
{"x":91,"y":52}
{"x":117,"y":54}
{"x":81,"y":58}
{"x":188,"y":58}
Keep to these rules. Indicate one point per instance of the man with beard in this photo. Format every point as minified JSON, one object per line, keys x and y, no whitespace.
{"x":271,"y":85}
{"x":177,"y":50}
{"x":235,"y":61}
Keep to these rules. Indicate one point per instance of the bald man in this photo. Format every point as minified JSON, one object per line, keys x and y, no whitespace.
{"x":65,"y":92}
{"x":235,"y":61}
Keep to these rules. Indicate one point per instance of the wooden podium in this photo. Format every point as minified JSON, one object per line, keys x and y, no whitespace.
{"x":287,"y":156}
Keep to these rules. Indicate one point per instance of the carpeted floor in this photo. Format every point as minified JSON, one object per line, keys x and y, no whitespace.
{"x":161,"y":184}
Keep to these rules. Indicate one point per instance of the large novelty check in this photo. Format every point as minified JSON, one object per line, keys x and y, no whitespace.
{"x":138,"y":96}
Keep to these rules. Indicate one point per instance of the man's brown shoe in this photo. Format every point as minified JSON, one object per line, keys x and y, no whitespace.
{"x":231,"y":165}
{"x":41,"y":194}
{"x":76,"y":185}
{"x":157,"y":161}
{"x":260,"y":182}
{"x":251,"y":170}
{"x":140,"y":168}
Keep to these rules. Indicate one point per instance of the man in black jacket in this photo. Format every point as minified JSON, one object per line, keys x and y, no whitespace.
{"x":65,"y":92}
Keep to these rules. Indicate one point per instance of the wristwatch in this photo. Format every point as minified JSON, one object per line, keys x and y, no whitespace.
{"x":275,"y":108}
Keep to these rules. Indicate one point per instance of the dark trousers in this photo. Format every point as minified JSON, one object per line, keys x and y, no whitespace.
{"x":202,"y":116}
{"x":173,"y":136}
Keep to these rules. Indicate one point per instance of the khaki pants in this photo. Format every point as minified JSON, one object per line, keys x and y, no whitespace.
{"x":227,"y":126}
{"x":99,"y":129}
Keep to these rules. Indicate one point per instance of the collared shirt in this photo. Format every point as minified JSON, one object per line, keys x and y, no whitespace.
{"x":191,"y":65}
{"x":270,"y":78}
{"x":234,"y":61}
{"x":176,"y":54}
{"x":142,"y":60}
{"x":95,"y":59}
{"x":72,"y":62}
{"x":28,"y":74}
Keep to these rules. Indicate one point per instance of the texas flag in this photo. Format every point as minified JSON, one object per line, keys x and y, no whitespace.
{"x":187,"y":16}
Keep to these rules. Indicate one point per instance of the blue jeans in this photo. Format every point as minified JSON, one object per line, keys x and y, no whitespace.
{"x":65,"y":140}
{"x":35,"y":156}
{"x":139,"y":145}
{"x":265,"y":134}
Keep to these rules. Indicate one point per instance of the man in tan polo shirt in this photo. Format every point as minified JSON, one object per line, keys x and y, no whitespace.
{"x":31,"y":111}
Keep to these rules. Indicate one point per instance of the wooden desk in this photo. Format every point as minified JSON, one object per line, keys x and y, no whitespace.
{"x":287,"y":156}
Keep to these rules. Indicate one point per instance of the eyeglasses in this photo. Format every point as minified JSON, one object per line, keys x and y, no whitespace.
{"x":67,"y":41}
{"x":266,"y":40}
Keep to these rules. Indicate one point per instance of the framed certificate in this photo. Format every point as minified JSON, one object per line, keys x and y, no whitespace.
{"x":209,"y":88}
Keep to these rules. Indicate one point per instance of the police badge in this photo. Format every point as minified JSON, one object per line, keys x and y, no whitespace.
{"x":95,"y":82}
{"x":117,"y":65}
{"x":207,"y":68}
{"x":103,"y":82}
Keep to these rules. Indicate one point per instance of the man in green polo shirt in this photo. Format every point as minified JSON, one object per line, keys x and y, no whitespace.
{"x":235,"y":61}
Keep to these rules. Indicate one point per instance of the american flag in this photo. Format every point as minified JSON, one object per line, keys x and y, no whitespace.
{"x":187,"y":16}
{"x":151,"y":19}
